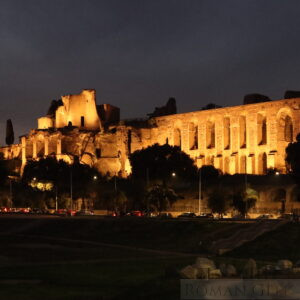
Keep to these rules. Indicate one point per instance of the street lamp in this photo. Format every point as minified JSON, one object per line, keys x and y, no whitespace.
{"x":95,"y":177}
{"x":71,"y":189}
{"x":277,"y":173}
{"x":173,"y":174}
{"x":200,"y":187}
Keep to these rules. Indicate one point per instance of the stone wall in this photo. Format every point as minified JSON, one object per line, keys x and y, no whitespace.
{"x":249,"y":137}
{"x":241,"y":139}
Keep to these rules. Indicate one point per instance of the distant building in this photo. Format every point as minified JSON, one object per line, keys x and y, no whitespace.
{"x":242,"y":139}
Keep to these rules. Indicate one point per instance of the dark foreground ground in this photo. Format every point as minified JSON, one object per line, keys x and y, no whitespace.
{"x":105,"y":258}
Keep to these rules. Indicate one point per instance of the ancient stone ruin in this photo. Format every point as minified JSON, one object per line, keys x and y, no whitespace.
{"x":241,"y":139}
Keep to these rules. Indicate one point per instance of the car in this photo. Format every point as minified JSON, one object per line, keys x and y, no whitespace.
{"x":84,"y":212}
{"x":71,"y":212}
{"x":187,"y":215}
{"x":38,"y":211}
{"x":24,"y":210}
{"x":61,"y":212}
{"x":240,"y":216}
{"x":265,"y":216}
{"x":286,"y":216}
{"x":165,"y":215}
{"x":136,"y":213}
{"x":206,"y":216}
{"x":5,"y":209}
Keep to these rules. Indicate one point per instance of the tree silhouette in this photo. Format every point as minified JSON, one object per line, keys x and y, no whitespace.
{"x":218,"y":202}
{"x":10,"y":136}
{"x":160,"y":197}
{"x":293,"y":156}
{"x":159,"y":163}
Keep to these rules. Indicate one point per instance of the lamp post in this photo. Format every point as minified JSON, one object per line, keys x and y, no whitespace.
{"x":10,"y":192}
{"x":71,"y":189}
{"x":200,"y":195}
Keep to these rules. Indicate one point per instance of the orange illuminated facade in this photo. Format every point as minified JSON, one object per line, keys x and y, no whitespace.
{"x":241,"y":139}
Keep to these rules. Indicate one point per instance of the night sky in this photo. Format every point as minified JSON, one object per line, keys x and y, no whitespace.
{"x":137,"y":54}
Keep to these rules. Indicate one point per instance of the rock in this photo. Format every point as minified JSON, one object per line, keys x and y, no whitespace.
{"x":295,"y":270}
{"x":222,"y":268}
{"x":189,"y":272}
{"x":215,"y":274}
{"x":202,"y":273}
{"x":250,"y":269}
{"x":205,"y":263}
{"x":267,"y":269}
{"x":230,"y":271}
{"x":284,"y":264}
{"x":204,"y":267}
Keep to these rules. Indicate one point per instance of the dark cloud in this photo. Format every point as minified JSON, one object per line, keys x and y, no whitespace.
{"x":138,"y":53}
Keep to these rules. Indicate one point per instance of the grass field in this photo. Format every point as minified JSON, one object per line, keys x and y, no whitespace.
{"x":283,"y":243}
{"x":106,"y":258}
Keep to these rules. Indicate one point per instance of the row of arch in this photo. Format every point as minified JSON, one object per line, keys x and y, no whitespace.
{"x":284,"y":132}
{"x":238,"y":163}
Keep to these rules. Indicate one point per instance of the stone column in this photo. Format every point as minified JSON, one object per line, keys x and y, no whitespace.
{"x":34,"y":148}
{"x":232,"y":164}
{"x":23,"y":149}
{"x":271,"y":160}
{"x":217,"y":162}
{"x":58,"y":148}
{"x":46,"y":141}
{"x":249,"y":169}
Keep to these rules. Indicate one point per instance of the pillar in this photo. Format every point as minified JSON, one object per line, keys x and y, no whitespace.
{"x":46,"y":141}
{"x":232,"y":164}
{"x":58,"y":147}
{"x":34,"y":153}
{"x":217,"y":163}
{"x":271,"y":160}
{"x":249,"y":169}
{"x":23,"y":149}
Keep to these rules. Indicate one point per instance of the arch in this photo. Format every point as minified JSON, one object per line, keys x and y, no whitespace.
{"x":177,"y":137}
{"x":285,"y":126}
{"x":243,"y":131}
{"x":295,"y":194}
{"x":193,"y":136}
{"x":226,"y":128}
{"x":261,"y":129}
{"x":129,"y":140}
{"x":262,"y":163}
{"x":243,"y":164}
{"x":81,"y":121}
{"x":253,"y":164}
{"x":227,"y":165}
{"x":209,"y":160}
{"x":210,"y":135}
{"x":278,"y":195}
{"x":288,"y":129}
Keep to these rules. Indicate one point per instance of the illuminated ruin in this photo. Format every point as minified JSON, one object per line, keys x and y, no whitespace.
{"x":248,"y":138}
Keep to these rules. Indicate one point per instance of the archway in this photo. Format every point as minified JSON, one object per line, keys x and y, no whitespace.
{"x":226,"y":165}
{"x":210,"y":135}
{"x":295,"y":194}
{"x":278,"y":195}
{"x":261,"y":130}
{"x":262,"y":163}
{"x":193,"y":136}
{"x":285,"y":127}
{"x":177,"y":137}
{"x":243,"y":164}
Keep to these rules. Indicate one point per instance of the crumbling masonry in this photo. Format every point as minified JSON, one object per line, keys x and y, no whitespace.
{"x":241,"y":139}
